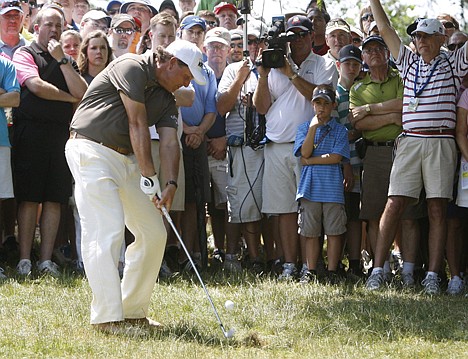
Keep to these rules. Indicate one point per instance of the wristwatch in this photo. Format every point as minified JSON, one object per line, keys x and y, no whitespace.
{"x":63,"y":61}
{"x":368,"y":109}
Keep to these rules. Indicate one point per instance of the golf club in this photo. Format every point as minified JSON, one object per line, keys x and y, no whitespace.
{"x":229,"y":333}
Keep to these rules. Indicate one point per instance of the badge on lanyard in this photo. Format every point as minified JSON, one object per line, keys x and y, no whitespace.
{"x":413,"y":104}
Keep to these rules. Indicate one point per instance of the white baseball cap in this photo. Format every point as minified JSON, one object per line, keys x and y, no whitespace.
{"x":190,"y":55}
{"x":429,"y":26}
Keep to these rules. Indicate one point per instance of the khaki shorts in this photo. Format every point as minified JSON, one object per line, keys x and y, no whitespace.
{"x":281,"y":178}
{"x":178,"y":204}
{"x":244,"y":190}
{"x":424,"y":162}
{"x":310,"y":218}
{"x":218,"y":174}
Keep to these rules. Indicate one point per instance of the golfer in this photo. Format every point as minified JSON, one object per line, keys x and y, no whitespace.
{"x":109,"y":155}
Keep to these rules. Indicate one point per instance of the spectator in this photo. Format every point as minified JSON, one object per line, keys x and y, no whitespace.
{"x":429,"y":127}
{"x":376,"y":103}
{"x":217,"y":48}
{"x":357,"y":36}
{"x":455,"y":242}
{"x":210,"y":19}
{"x":71,"y":42}
{"x":26,"y":6}
{"x":163,"y":32}
{"x":365,"y":19}
{"x":286,"y":93}
{"x":80,"y":8}
{"x":169,"y":7}
{"x":321,"y":144}
{"x":49,"y":81}
{"x":337,"y":35}
{"x":319,"y":20}
{"x":121,"y":34}
{"x":9,"y":97}
{"x":226,"y":13}
{"x":95,"y":54}
{"x":113,"y":7}
{"x":188,"y":5}
{"x":457,"y":40}
{"x":244,"y":187}
{"x":450,"y":24}
{"x":67,"y":6}
{"x":237,"y":45}
{"x":198,"y":119}
{"x":142,"y":10}
{"x":11,"y":23}
{"x":349,"y":68}
{"x":94,"y":20}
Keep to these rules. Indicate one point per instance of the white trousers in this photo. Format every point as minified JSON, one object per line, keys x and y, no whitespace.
{"x":108,"y":196}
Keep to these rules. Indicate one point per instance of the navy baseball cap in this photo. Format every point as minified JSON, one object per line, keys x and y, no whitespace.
{"x":191,"y":21}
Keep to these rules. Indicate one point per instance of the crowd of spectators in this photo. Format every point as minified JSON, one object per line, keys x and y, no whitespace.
{"x":352,"y":139}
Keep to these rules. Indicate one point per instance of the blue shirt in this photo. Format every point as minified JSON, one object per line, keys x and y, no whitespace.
{"x":323,"y":183}
{"x":9,"y":83}
{"x":219,"y":127}
{"x":205,"y":99}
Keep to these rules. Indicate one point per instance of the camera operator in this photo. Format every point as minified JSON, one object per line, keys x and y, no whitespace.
{"x":284,"y":95}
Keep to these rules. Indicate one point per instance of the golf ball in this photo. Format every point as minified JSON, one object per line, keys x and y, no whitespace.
{"x":229,"y":305}
{"x":230,"y":333}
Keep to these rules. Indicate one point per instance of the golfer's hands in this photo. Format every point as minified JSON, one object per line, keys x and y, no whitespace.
{"x":150,"y":186}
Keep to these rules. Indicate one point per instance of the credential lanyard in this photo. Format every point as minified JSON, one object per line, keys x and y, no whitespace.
{"x":418,"y":91}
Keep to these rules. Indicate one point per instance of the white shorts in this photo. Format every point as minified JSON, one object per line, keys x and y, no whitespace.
{"x":281,"y":178}
{"x":218,"y":174}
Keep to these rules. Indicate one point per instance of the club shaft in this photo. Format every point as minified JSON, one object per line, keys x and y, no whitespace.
{"x":171,"y":223}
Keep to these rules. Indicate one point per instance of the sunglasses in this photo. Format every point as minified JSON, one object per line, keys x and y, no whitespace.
{"x":11,"y":4}
{"x":453,"y":47}
{"x":357,"y":40}
{"x":120,"y":31}
{"x":113,"y":11}
{"x":449,"y":25}
{"x":367,"y":17}
{"x":211,"y":23}
{"x":239,"y":46}
{"x":252,"y":42}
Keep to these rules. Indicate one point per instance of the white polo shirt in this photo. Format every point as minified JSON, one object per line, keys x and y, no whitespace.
{"x":289,"y":107}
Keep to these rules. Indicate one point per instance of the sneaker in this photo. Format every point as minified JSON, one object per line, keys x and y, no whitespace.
{"x":375,"y":281}
{"x":354,"y":275}
{"x":218,"y":256}
{"x":24,"y":267}
{"x":289,"y":272}
{"x":308,"y":277}
{"x":333,"y":278}
{"x":455,"y":286}
{"x":232,"y":263}
{"x":48,"y":267}
{"x":303,"y":270}
{"x":388,"y":277}
{"x":274,"y":266}
{"x":431,"y":284}
{"x":257,"y":267}
{"x":165,"y":271}
{"x":2,"y":276}
{"x":407,"y":280}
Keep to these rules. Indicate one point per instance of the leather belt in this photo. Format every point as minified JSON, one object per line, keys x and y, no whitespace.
{"x":431,"y":131}
{"x":121,"y":150}
{"x":380,"y":144}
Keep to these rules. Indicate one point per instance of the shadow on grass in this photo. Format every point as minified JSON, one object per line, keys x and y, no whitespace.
{"x":390,"y":316}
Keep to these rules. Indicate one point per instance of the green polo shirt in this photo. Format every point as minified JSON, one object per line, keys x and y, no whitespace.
{"x":367,"y":91}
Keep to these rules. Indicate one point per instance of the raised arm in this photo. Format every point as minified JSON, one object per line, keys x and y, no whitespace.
{"x":388,"y":33}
